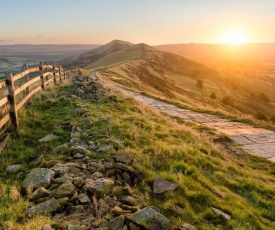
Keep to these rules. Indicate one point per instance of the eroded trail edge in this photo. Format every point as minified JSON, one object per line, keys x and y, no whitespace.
{"x":256,"y":141}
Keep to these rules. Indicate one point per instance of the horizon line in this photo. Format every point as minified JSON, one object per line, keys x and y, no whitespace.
{"x":99,"y":44}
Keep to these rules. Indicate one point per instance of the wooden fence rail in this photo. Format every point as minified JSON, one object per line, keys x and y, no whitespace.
{"x":24,"y":83}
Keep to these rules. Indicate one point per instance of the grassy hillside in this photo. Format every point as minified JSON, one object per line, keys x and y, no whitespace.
{"x":222,"y":56}
{"x":240,"y":185}
{"x":180,"y":80}
{"x":95,"y":54}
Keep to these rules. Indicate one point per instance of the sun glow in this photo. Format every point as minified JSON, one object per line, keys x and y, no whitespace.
{"x":235,"y":37}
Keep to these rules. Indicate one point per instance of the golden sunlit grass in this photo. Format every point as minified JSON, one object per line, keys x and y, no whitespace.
{"x":238,"y":94}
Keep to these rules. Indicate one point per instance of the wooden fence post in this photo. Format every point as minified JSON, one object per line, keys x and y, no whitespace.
{"x":54,"y":75}
{"x":27,"y":79}
{"x":12,"y":99}
{"x":42,"y":75}
{"x":64,"y":74}
{"x":46,"y":70}
{"x":60,"y":74}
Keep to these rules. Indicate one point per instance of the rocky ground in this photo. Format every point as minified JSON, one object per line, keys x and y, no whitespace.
{"x":82,"y":192}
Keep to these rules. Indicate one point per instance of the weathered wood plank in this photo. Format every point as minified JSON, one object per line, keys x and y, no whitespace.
{"x":34,"y":69}
{"x":47,"y":74}
{"x":12,"y":99}
{"x":2,"y":84}
{"x":60,"y":74}
{"x":42,"y":75}
{"x":4,"y":120}
{"x":20,"y":105}
{"x":47,"y":66}
{"x":49,"y":81}
{"x":21,"y":88}
{"x":54,"y":74}
{"x":3,"y":101}
{"x":26,"y":67}
{"x":20,"y":75}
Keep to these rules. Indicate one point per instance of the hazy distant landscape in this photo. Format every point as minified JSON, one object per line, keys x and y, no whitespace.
{"x":13,"y":57}
{"x":236,"y":77}
{"x":219,"y":78}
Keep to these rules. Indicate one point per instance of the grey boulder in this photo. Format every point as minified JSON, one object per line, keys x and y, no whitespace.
{"x":38,"y":177}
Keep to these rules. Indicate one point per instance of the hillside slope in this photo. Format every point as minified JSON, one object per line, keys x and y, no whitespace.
{"x":93,"y":55}
{"x":180,"y":80}
{"x":207,"y":177}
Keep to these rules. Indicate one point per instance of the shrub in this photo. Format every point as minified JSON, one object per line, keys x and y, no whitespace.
{"x":272,"y":119}
{"x":263,"y":97}
{"x":227,"y":100}
{"x":260,"y":116}
{"x":200,"y":84}
{"x":213,"y":96}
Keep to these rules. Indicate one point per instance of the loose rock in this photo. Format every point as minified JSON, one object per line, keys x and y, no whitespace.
{"x":221,"y":214}
{"x":38,"y":177}
{"x":65,"y":190}
{"x":116,"y":224}
{"x":60,"y":169}
{"x":150,"y":219}
{"x":48,"y":138}
{"x":187,"y":226}
{"x":129,"y":200}
{"x":40,"y":193}
{"x":12,"y":169}
{"x":46,"y":227}
{"x":83,"y":198}
{"x":47,"y":206}
{"x":101,"y":187}
{"x":96,"y":175}
{"x":161,"y":186}
{"x":105,"y":149}
{"x":125,"y":159}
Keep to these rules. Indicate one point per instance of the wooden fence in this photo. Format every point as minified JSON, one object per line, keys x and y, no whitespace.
{"x":18,"y":89}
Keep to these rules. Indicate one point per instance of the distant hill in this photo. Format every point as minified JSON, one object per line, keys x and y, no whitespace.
{"x":224,"y":88}
{"x":93,"y":55}
{"x":27,"y":48}
{"x":152,"y":70}
{"x":221,"y":55}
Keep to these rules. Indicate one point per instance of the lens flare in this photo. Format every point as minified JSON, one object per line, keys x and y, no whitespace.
{"x":235,"y":37}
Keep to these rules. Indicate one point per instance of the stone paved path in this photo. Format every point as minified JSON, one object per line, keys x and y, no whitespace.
{"x":257,"y":141}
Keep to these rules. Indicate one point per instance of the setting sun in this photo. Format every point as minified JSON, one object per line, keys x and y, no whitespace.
{"x":235,"y":37}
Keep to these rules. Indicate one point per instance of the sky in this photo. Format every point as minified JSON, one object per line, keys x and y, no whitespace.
{"x":153,"y":22}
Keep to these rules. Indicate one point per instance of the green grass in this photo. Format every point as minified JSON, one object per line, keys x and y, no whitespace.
{"x":241,"y":185}
{"x":253,"y":122}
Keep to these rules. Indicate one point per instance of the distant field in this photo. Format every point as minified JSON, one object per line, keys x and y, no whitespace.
{"x":13,"y":57}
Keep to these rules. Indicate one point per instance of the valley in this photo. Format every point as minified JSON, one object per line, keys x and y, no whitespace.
{"x":12,"y":57}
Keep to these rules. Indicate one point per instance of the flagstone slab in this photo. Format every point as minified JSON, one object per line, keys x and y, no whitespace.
{"x":242,"y":140}
{"x":262,"y":138}
{"x":246,"y":131}
{"x":266,"y":150}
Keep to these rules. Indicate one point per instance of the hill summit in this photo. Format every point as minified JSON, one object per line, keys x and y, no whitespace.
{"x":95,"y":54}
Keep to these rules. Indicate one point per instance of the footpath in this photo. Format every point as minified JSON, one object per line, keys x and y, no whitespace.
{"x":256,"y":141}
